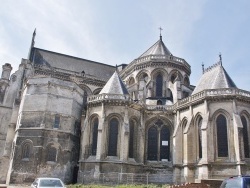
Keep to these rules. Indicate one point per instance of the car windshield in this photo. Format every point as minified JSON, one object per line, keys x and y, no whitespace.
{"x":50,"y":183}
{"x":232,"y":183}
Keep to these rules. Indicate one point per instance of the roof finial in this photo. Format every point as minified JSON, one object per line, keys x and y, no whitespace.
{"x":202,"y":67}
{"x":220,"y":56}
{"x":32,"y":44}
{"x":33,"y":38}
{"x":160,"y":32}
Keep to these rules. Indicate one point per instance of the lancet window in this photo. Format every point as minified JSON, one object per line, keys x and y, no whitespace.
{"x":51,"y":154}
{"x":57,"y":121}
{"x":245,"y":136}
{"x":199,"y":137}
{"x":158,"y":85}
{"x":222,"y":138}
{"x":94,"y":136}
{"x":158,"y":142}
{"x":26,"y":151}
{"x":131,"y":138}
{"x":113,"y":137}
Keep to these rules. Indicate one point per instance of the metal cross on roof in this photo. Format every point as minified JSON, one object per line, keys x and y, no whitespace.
{"x":160,"y":30}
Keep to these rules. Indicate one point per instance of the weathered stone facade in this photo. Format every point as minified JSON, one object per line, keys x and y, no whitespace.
{"x":77,"y":119}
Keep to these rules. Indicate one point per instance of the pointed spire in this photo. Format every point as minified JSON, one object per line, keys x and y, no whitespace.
{"x":115,"y":85}
{"x":220,"y":57}
{"x":158,"y":48}
{"x":32,"y":44}
{"x":33,"y":38}
{"x":160,"y":33}
{"x":218,"y":78}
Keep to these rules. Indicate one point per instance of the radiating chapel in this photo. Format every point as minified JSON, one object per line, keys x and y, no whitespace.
{"x":84,"y":121}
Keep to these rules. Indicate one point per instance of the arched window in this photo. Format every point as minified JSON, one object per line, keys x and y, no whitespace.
{"x":199,"y":138}
{"x":83,"y":73}
{"x":57,"y":121}
{"x":245,"y":136}
{"x":222,"y":141}
{"x":169,"y":95}
{"x":165,"y":144}
{"x":184,"y":147}
{"x":26,"y":151}
{"x":158,"y":142}
{"x":131,"y":81}
{"x":73,"y":154}
{"x":173,"y":77}
{"x":159,"y":102}
{"x":186,"y":81}
{"x":152,"y":143}
{"x":113,"y":136}
{"x":158,"y":85}
{"x":131,"y":139}
{"x":94,"y":136}
{"x":51,"y":154}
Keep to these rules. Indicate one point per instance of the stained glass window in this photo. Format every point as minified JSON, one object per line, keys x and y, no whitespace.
{"x":131,"y":139}
{"x":159,"y":85}
{"x":245,"y":136}
{"x":152,"y":143}
{"x":113,"y":135}
{"x":222,"y":141}
{"x":94,"y":136}
{"x":165,"y":143}
{"x":51,"y":154}
{"x":57,"y":121}
{"x":200,"y":138}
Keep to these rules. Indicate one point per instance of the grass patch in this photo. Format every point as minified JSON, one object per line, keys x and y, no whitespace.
{"x":118,"y":186}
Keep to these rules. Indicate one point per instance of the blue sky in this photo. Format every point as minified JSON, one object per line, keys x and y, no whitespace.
{"x":116,"y":32}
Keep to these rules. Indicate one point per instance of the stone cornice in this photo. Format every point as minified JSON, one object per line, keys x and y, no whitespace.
{"x":68,"y":76}
{"x":156,"y":61}
{"x":227,"y":94}
{"x":43,"y":129}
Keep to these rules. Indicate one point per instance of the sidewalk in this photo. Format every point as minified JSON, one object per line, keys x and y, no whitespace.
{"x":13,"y":186}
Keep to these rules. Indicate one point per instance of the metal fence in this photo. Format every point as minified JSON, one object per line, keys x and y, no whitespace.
{"x":124,"y":178}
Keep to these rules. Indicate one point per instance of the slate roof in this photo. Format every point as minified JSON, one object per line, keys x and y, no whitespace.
{"x":72,"y":64}
{"x":158,"y":48}
{"x":115,"y":85}
{"x":214,"y":77}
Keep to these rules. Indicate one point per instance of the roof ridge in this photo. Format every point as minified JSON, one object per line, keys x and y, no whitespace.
{"x":212,"y":67}
{"x":71,"y":56}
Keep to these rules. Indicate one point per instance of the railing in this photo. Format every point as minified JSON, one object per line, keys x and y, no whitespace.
{"x":199,"y":96}
{"x":191,"y":99}
{"x":148,"y":58}
{"x":123,"y":178}
{"x":162,"y":57}
{"x":160,"y":107}
{"x":105,"y":96}
{"x":214,"y":92}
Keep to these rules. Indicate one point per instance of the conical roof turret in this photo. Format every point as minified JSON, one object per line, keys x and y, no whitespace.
{"x":158,"y":48}
{"x":214,"y":77}
{"x":115,"y":85}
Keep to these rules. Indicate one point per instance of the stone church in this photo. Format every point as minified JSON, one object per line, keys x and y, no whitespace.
{"x":81,"y":120}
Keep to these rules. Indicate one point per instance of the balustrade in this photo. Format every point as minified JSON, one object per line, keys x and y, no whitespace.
{"x":104,"y":96}
{"x":189,"y":100}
